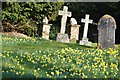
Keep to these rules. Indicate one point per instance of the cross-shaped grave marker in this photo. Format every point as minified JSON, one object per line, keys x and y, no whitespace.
{"x":64,"y":14}
{"x":86,"y":21}
{"x":62,"y":37}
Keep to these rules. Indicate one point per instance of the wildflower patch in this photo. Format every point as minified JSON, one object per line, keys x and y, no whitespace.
{"x":64,"y":62}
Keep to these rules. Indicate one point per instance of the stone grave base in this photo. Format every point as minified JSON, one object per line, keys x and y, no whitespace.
{"x":85,"y":42}
{"x":45,"y":32}
{"x":73,"y":40}
{"x":62,"y":38}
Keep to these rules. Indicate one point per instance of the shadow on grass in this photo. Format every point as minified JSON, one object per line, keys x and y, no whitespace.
{"x":76,"y":45}
{"x":7,"y":75}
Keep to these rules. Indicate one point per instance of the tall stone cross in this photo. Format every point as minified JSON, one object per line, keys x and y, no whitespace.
{"x":86,"y":21}
{"x":64,"y":14}
{"x":84,"y":40}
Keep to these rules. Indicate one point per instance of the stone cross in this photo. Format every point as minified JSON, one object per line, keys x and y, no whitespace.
{"x":84,"y":40}
{"x":86,"y":21}
{"x":64,"y":14}
{"x":106,"y":32}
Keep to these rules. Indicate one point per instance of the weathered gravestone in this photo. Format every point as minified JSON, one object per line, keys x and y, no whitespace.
{"x":106,"y":32}
{"x":84,"y":40}
{"x":45,"y":20}
{"x":62,"y":37}
{"x":46,"y":29}
{"x":73,"y":21}
{"x":74,"y":34}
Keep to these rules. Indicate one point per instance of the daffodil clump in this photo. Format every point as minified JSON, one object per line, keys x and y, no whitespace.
{"x":63,"y":63}
{"x":13,"y":40}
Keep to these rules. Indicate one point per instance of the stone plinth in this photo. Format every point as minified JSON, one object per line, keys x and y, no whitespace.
{"x":85,"y":42}
{"x":74,"y":33}
{"x":62,"y":38}
{"x":46,"y":30}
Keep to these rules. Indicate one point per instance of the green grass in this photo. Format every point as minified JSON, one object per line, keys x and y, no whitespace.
{"x":36,"y":57}
{"x":40,"y":44}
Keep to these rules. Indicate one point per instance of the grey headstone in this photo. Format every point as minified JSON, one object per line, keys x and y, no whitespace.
{"x":62,"y":38}
{"x":106,"y":32}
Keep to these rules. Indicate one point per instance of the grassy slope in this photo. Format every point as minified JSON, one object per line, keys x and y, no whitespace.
{"x":11,"y":44}
{"x":33,"y":45}
{"x":40,"y":45}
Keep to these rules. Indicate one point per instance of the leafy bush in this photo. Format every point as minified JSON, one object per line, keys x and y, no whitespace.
{"x":29,"y":28}
{"x":26,"y":16}
{"x":53,"y":32}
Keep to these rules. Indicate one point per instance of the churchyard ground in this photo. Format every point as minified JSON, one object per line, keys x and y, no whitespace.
{"x":39,"y":58}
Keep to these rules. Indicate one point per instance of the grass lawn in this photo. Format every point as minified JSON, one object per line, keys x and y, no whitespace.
{"x":39,"y":58}
{"x":33,"y":44}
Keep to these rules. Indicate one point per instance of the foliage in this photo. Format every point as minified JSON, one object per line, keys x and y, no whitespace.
{"x":17,"y":11}
{"x":96,"y":11}
{"x":29,"y":28}
{"x":28,"y":12}
{"x":38,"y":63}
{"x":53,"y":32}
{"x":21,"y":12}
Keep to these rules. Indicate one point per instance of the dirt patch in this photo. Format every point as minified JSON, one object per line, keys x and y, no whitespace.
{"x":15,"y":34}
